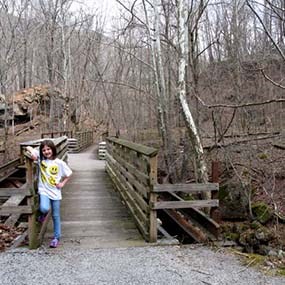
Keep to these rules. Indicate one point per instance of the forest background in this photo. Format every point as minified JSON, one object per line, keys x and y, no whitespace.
{"x":201,"y":80}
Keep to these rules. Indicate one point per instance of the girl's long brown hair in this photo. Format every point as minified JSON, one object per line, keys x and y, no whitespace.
{"x":51,"y":145}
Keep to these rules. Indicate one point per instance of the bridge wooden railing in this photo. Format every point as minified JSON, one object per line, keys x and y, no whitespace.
{"x":9,"y":168}
{"x":77,"y":141}
{"x":35,"y":229}
{"x":57,"y":134}
{"x":133,"y":170}
{"x":81,"y":140}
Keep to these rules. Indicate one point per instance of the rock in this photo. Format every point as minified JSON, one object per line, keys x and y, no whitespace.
{"x":30,"y":102}
{"x":272,"y":252}
{"x":263,"y":249}
{"x":261,"y":212}
{"x":233,"y":236}
{"x":263,"y":234}
{"x":248,"y":238}
{"x":281,"y":253}
{"x":233,"y":201}
{"x":255,"y":225}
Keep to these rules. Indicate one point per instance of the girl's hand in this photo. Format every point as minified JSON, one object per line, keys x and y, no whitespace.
{"x":31,"y":151}
{"x":59,"y":185}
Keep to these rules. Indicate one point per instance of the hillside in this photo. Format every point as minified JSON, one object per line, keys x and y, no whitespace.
{"x":33,"y":111}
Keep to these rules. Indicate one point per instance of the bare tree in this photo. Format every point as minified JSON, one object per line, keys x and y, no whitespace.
{"x":8,"y":46}
{"x":189,"y":121}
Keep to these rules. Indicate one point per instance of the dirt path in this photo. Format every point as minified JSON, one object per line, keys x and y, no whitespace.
{"x":132,"y":265}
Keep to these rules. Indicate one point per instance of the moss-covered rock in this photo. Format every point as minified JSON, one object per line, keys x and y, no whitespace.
{"x":262,"y":212}
{"x":223,"y":192}
{"x":240,"y":227}
{"x":233,"y":201}
{"x":263,"y":235}
{"x":232,"y":236}
{"x":248,"y":238}
{"x":255,"y":225}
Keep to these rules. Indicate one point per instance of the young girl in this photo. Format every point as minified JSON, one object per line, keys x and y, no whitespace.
{"x":53,"y":175}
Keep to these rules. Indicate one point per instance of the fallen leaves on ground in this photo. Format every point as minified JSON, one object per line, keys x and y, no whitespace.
{"x":8,"y":235}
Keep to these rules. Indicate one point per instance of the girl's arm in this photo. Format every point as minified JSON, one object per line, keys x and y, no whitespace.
{"x":67,"y":172}
{"x":63,"y":182}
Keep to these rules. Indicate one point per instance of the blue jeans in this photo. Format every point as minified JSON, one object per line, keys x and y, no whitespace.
{"x":45,"y":203}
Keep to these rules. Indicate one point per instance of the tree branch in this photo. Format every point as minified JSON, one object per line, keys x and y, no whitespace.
{"x":266,"y":31}
{"x":125,"y":85}
{"x":239,"y":105}
{"x":131,"y":12}
{"x":270,"y":80}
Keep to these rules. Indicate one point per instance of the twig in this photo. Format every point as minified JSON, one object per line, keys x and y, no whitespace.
{"x":218,"y":145}
{"x":252,"y":261}
{"x":205,"y":282}
{"x":200,"y":271}
{"x":270,"y":80}
{"x":174,"y":271}
{"x":19,"y":239}
{"x":241,"y":253}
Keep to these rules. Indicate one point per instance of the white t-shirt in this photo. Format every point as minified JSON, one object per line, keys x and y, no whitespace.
{"x":51,"y":173}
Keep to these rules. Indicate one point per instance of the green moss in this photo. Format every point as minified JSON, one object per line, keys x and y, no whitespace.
{"x":262,"y":156}
{"x":232,"y":236}
{"x":255,"y":225}
{"x":254,"y":259}
{"x":227,"y":227}
{"x":261,"y":212}
{"x":259,"y":261}
{"x":188,"y":197}
{"x":245,"y":173}
{"x":223,"y":192}
{"x":240,"y":227}
{"x":281,"y":271}
{"x":253,"y":191}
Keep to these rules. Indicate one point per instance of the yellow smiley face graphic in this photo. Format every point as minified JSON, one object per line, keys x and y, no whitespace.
{"x":53,"y":169}
{"x":52,"y":181}
{"x":43,"y":164}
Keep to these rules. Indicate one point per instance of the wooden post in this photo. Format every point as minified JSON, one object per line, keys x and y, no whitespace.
{"x":153,"y":200}
{"x":33,"y":226}
{"x":214,"y":212}
{"x":215,"y":171}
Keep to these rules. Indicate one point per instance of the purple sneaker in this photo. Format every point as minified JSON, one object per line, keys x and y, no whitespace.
{"x":54,"y":243}
{"x":42,"y":218}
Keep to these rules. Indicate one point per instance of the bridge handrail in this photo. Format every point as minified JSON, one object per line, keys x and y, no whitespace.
{"x":35,"y":230}
{"x":56,"y":134}
{"x":78,"y":140}
{"x":139,"y":148}
{"x":8,"y":168}
{"x":11,"y":164}
{"x":133,"y":170}
{"x":84,"y":139}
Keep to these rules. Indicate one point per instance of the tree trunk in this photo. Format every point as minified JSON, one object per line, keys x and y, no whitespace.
{"x":189,"y":121}
{"x":160,"y":85}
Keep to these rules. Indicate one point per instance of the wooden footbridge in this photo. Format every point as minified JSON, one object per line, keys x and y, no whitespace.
{"x":112,"y":202}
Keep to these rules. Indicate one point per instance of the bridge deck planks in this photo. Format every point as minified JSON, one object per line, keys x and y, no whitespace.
{"x":92,"y":214}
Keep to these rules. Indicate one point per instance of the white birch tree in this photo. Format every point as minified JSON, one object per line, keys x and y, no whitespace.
{"x":181,"y":88}
{"x":154,"y":39}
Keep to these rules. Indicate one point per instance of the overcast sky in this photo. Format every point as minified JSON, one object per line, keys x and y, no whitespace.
{"x":108,"y":8}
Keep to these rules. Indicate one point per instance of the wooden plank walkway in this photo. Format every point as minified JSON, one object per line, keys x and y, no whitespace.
{"x":92,"y":214}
